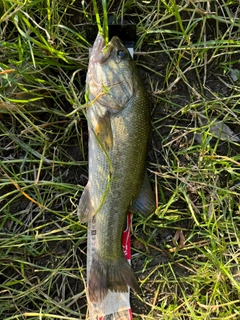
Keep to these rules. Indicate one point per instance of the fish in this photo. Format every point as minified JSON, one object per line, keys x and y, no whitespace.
{"x":119,"y":126}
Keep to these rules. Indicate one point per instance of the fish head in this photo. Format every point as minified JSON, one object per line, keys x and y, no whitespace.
{"x":110,"y":74}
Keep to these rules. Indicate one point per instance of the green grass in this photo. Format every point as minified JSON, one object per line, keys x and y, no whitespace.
{"x":188,"y":56}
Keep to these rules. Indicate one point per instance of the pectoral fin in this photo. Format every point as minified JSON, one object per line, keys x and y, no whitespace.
{"x":103,"y":131}
{"x":145,"y":202}
{"x":85,"y":209}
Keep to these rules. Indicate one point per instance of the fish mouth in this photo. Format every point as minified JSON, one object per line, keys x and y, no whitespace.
{"x":100,"y":51}
{"x":116,"y":42}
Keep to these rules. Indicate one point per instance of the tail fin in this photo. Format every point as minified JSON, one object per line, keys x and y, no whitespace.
{"x":110,"y":275}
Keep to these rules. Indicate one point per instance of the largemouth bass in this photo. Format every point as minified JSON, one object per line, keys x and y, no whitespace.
{"x":119,"y":128}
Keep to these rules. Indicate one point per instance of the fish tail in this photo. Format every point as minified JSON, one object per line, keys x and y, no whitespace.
{"x":110,"y":275}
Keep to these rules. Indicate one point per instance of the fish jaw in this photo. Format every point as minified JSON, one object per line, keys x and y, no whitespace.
{"x":110,"y":76}
{"x":100,"y":52}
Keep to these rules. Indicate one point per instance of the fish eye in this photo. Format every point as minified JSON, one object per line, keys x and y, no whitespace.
{"x":121,"y":54}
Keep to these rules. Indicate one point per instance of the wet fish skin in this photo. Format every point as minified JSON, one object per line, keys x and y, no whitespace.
{"x":119,"y":130}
